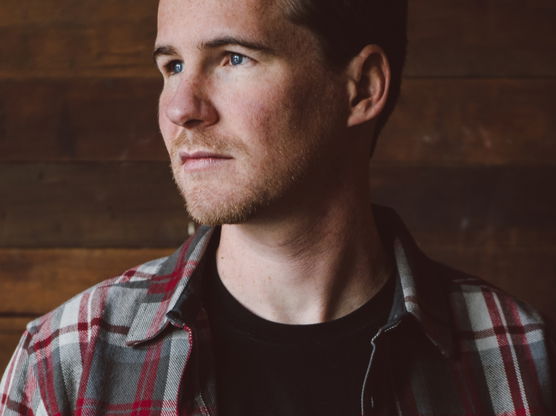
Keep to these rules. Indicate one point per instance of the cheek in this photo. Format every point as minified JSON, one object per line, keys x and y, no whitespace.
{"x":269,"y":113}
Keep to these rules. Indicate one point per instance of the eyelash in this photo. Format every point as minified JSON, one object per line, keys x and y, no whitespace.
{"x":169,"y":67}
{"x":230,"y":55}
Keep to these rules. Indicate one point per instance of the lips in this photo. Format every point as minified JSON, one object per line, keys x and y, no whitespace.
{"x":201,"y":159}
{"x":185,"y":156}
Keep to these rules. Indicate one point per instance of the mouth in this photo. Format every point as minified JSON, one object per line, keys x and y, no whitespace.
{"x":200,"y":160}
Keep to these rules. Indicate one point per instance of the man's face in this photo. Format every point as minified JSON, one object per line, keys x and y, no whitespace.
{"x":249,"y":113}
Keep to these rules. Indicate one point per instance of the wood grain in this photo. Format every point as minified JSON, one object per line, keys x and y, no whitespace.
{"x":472,"y":122}
{"x":90,"y":205}
{"x":438,"y":122}
{"x":83,"y":119}
{"x":75,"y":39}
{"x":478,"y":39}
{"x":468,"y":159}
{"x":137,"y":205}
{"x":11,"y":329}
{"x":482,"y":38}
{"x":486,"y":206}
{"x":36,"y":281}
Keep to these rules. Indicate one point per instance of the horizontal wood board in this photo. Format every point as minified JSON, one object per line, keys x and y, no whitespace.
{"x":69,"y":38}
{"x":468,"y":158}
{"x":437,"y":122}
{"x":11,"y":329}
{"x":34,"y":281}
{"x":482,"y":38}
{"x":137,"y":204}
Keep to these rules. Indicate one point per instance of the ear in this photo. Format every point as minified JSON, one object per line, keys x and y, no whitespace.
{"x":368,"y":84}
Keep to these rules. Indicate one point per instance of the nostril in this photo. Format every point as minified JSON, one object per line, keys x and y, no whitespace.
{"x":189,"y":124}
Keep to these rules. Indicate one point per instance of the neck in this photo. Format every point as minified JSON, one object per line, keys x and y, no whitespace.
{"x":310,"y":267}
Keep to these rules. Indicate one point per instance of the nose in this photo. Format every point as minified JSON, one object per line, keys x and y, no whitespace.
{"x":188,"y":106}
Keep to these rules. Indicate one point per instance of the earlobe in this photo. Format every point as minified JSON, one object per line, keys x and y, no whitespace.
{"x":368,"y":84}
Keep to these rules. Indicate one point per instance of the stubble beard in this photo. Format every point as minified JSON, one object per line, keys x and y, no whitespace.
{"x":242,"y":197}
{"x":208,"y":206}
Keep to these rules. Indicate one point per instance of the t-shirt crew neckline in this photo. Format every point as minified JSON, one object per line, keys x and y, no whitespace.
{"x":235,"y":316}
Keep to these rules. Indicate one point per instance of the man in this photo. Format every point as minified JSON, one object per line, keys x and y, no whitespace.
{"x":298,"y":297}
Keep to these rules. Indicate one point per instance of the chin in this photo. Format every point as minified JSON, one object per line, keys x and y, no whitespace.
{"x":215,"y":216}
{"x":235,"y":200}
{"x":208,"y":209}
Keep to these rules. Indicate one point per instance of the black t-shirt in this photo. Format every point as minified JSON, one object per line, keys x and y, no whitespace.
{"x":272,"y":369}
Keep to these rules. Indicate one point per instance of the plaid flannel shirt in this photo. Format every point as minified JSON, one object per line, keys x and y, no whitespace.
{"x":139,"y":344}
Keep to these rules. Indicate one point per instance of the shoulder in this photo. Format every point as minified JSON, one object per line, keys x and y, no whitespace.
{"x":480,"y":305}
{"x":503,"y":338}
{"x":108,"y":310}
{"x":90,"y":333}
{"x":486,"y":317}
{"x":60,"y":348}
{"x":109,"y":306}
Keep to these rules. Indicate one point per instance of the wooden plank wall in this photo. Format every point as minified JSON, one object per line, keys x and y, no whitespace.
{"x":469,"y":158}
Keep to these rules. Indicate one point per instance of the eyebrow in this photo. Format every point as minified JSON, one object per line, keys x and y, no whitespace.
{"x":165,"y":50}
{"x":235,"y":41}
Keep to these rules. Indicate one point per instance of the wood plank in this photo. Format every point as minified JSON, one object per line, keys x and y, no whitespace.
{"x":472,"y":122}
{"x":485,"y":206}
{"x":14,"y":324}
{"x":8,"y":343}
{"x":90,"y":205}
{"x":65,"y":12}
{"x":68,"y":38}
{"x":137,"y":205}
{"x":11,"y":329}
{"x":482,"y":38}
{"x":89,"y":119}
{"x":438,"y":122}
{"x":36,"y":281}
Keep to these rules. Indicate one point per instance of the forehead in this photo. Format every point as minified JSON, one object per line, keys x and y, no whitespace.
{"x":196,"y":19}
{"x":193,"y":15}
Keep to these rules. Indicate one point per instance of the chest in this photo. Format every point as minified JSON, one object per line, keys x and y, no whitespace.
{"x":175,"y":376}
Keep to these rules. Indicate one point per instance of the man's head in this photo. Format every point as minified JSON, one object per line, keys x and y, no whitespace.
{"x":259,"y":109}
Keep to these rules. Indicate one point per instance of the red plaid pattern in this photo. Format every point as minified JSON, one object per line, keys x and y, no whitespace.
{"x":137,"y":345}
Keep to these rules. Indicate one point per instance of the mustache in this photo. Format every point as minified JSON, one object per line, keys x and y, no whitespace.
{"x":201,"y":141}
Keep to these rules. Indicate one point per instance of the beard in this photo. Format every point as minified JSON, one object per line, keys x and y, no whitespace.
{"x":250,"y":187}
{"x":210,"y":206}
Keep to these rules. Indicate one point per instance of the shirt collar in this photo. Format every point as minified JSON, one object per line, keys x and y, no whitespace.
{"x":420,"y":292}
{"x":171,"y":293}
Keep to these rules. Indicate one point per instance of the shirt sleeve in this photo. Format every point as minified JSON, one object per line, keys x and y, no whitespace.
{"x":19,"y":389}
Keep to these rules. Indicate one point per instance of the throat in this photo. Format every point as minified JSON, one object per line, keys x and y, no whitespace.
{"x":302,"y":287}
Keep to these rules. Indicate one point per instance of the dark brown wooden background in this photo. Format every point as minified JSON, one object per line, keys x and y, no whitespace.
{"x":469,"y":159}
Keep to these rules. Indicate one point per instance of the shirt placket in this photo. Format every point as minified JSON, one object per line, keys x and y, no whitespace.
{"x":371,"y":404}
{"x":199,"y":367}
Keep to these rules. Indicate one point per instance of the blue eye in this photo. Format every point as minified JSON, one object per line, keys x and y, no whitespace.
{"x":237,"y":59}
{"x":175,"y":67}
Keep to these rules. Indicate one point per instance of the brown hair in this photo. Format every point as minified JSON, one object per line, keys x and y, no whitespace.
{"x":344,"y":27}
